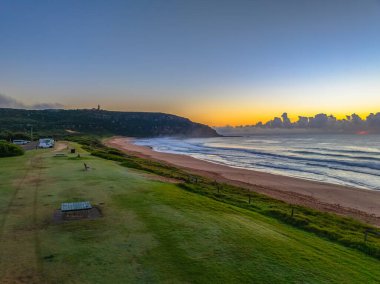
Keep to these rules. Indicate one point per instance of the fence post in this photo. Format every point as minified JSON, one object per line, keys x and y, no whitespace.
{"x":292,"y":212}
{"x":249,"y":199}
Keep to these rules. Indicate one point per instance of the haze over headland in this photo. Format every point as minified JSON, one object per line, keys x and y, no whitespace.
{"x":216,"y":62}
{"x":9,"y":102}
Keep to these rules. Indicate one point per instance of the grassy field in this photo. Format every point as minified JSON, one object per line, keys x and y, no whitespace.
{"x":343,"y":230}
{"x":151,"y":231}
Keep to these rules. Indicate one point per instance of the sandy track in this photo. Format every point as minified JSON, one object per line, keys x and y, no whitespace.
{"x":60,"y":146}
{"x":353,"y":202}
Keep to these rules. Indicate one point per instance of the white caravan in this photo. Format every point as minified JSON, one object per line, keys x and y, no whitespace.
{"x":20,"y":142}
{"x":46,"y":143}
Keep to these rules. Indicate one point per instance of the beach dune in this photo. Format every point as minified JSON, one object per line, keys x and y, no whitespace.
{"x":357,"y":203}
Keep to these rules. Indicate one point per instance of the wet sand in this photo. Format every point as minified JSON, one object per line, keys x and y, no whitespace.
{"x":357,"y":203}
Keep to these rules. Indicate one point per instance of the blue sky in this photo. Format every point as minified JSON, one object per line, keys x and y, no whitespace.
{"x":216,"y":62}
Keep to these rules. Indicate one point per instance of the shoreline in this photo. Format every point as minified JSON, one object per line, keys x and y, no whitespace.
{"x":361,"y":204}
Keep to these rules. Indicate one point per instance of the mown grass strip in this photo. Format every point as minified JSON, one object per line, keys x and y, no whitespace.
{"x":343,"y":230}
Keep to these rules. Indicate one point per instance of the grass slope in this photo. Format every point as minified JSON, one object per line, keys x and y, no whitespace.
{"x":151,"y":232}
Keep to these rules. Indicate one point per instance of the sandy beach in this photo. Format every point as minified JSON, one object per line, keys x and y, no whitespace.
{"x":353,"y":202}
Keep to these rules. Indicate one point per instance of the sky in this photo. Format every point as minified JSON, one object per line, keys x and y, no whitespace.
{"x":214,"y":61}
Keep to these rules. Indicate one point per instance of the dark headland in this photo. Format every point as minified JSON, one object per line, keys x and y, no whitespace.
{"x":59,"y":122}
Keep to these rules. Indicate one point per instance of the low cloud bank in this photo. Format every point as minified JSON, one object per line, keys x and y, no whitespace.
{"x":320,"y":123}
{"x":9,"y":102}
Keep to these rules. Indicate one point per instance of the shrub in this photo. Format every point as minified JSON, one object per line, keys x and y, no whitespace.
{"x":131,"y":164}
{"x":116,"y":152}
{"x":107,"y":156}
{"x":8,"y":135}
{"x":9,"y":150}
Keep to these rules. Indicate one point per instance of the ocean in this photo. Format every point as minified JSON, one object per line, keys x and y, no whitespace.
{"x":350,"y":160}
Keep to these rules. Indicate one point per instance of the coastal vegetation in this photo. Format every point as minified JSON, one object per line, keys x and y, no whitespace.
{"x":343,"y":230}
{"x":9,"y":150}
{"x":60,"y":123}
{"x":9,"y":135}
{"x":151,"y":230}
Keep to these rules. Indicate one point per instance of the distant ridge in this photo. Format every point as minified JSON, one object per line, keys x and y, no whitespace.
{"x":95,"y":121}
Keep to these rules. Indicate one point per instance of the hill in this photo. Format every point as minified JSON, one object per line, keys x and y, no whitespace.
{"x":100,"y":122}
{"x":151,"y":231}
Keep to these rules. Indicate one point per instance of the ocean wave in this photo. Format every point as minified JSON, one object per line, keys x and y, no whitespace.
{"x":348,"y":160}
{"x":376,"y":153}
{"x":334,"y":155}
{"x":375,"y":166}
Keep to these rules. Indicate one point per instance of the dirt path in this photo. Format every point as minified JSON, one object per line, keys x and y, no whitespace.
{"x":19,"y":230}
{"x":60,"y":146}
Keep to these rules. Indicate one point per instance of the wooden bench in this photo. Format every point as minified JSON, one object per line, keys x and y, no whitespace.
{"x":60,"y":155}
{"x":86,"y":167}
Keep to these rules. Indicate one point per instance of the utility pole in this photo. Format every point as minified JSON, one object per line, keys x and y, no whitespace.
{"x":31,"y":131}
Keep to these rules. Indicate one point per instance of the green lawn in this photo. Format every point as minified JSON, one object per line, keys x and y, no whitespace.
{"x":151,"y":231}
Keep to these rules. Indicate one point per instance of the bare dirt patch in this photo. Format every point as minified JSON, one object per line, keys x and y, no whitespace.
{"x":71,"y":131}
{"x":26,"y":276}
{"x":92,"y":214}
